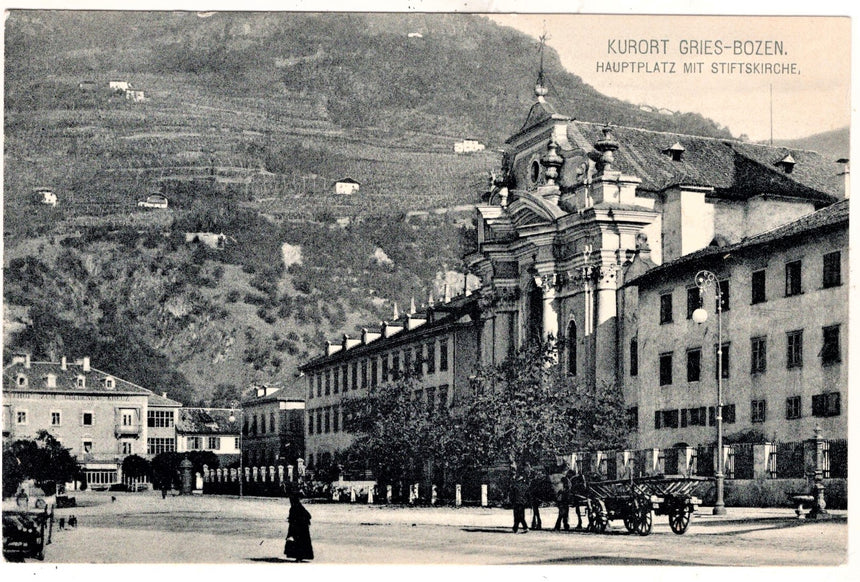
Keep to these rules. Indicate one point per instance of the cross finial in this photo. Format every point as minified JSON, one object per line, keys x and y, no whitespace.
{"x":540,"y":88}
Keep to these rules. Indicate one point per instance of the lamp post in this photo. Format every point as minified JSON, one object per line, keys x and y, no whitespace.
{"x":705,"y":279}
{"x":234,"y":406}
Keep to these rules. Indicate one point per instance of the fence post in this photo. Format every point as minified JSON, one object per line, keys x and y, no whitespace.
{"x":352,"y":494}
{"x":761,"y":455}
{"x":388,"y":493}
{"x":458,"y":495}
{"x":483,"y":494}
{"x":819,"y":505}
{"x":370,"y":494}
{"x":433,"y":494}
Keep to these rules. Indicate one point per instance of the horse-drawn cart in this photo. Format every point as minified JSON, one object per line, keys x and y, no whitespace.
{"x":637,"y":499}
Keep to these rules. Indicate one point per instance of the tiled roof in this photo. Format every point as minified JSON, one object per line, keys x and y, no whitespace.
{"x":829,"y":216}
{"x":65,"y":380}
{"x":206,"y":421}
{"x":157,"y":400}
{"x":734,"y":169}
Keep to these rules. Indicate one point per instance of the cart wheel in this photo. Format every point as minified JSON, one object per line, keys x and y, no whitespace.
{"x":679,"y":520}
{"x":630,"y":523}
{"x":645,"y":521}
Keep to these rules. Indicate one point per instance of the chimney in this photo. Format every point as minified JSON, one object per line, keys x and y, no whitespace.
{"x":63,"y":364}
{"x":846,"y":183}
{"x":164,"y":394}
{"x":86,"y":365}
{"x":27,"y":361}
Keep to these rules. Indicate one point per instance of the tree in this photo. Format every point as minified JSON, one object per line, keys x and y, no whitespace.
{"x":44,"y":460}
{"x":527,"y":410}
{"x":393,"y":429}
{"x":165,"y":470}
{"x":136,"y":466}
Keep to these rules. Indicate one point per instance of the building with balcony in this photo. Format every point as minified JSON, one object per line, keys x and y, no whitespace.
{"x":99,"y":417}
{"x":273,"y":430}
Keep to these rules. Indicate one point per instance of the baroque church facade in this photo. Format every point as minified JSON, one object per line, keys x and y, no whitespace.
{"x":577,"y":210}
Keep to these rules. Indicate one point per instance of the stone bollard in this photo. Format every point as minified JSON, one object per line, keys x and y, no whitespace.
{"x":280,"y":474}
{"x":352,"y":494}
{"x":247,"y":476}
{"x":290,"y":473}
{"x":255,"y":471}
{"x":370,"y":495}
{"x":458,"y":495}
{"x":433,"y":495}
{"x":415,"y":495}
{"x":388,"y":493}
{"x":484,"y":495}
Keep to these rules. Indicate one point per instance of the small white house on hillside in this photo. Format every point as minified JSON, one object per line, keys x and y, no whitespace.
{"x":346,"y":186}
{"x":154,"y":200}
{"x":46,"y":196}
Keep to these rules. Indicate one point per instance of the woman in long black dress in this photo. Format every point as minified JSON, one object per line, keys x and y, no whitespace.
{"x":298,"y":545}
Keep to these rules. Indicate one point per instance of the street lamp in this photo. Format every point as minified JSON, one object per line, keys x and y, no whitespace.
{"x":233,"y":407}
{"x":705,"y":279}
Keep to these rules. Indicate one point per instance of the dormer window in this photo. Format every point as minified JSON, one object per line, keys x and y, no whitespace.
{"x":676,"y":151}
{"x":81,"y":382}
{"x":787,"y":164}
{"x":110,"y":383}
{"x":51,"y":381}
{"x":21,"y":380}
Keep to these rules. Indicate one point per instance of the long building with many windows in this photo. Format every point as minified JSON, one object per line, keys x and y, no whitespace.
{"x":783,"y":323}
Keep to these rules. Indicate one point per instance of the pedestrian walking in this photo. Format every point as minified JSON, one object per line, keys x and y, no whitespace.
{"x":535,"y":482}
{"x":519,"y":498}
{"x":562,"y":501}
{"x":298,"y":543}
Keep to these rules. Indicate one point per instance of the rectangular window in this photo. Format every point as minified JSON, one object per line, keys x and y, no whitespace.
{"x":336,"y":419}
{"x":327,"y":420}
{"x":364,"y":374}
{"x":758,"y":410}
{"x":87,"y":446}
{"x":345,"y":371}
{"x":327,"y":383}
{"x":310,"y":422}
{"x":758,"y":355}
{"x":725,"y":361}
{"x":792,"y":407}
{"x":794,"y":349}
{"x":684,"y":412}
{"x":374,"y":371}
{"x":158,"y":445}
{"x":712,"y":415}
{"x":431,"y":358}
{"x":792,"y":278}
{"x":355,"y":375}
{"x":666,"y":308}
{"x":666,"y":419}
{"x":634,"y":356}
{"x":443,"y":355}
{"x":431,"y":399}
{"x":310,"y":386}
{"x":319,"y":421}
{"x":724,"y":296}
{"x":830,"y":352}
{"x":697,"y":416}
{"x":633,"y":418}
{"x":319,"y":384}
{"x":385,"y":368}
{"x":826,"y":404}
{"x":419,"y":361}
{"x":213,"y":443}
{"x":159,"y":418}
{"x":55,"y":419}
{"x":87,"y":419}
{"x":443,"y":397}
{"x":694,"y":365}
{"x":729,"y":413}
{"x":127,"y":417}
{"x":665,"y":369}
{"x":335,"y":380}
{"x":694,"y":301}
{"x":272,"y":427}
{"x":407,"y":361}
{"x":832,"y":272}
{"x":758,"y":287}
{"x":195,"y":443}
{"x":125,"y":447}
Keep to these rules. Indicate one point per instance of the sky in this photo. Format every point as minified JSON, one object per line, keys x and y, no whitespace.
{"x":811,"y":92}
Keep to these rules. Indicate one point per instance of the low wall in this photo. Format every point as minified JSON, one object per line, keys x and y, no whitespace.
{"x":773,"y":492}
